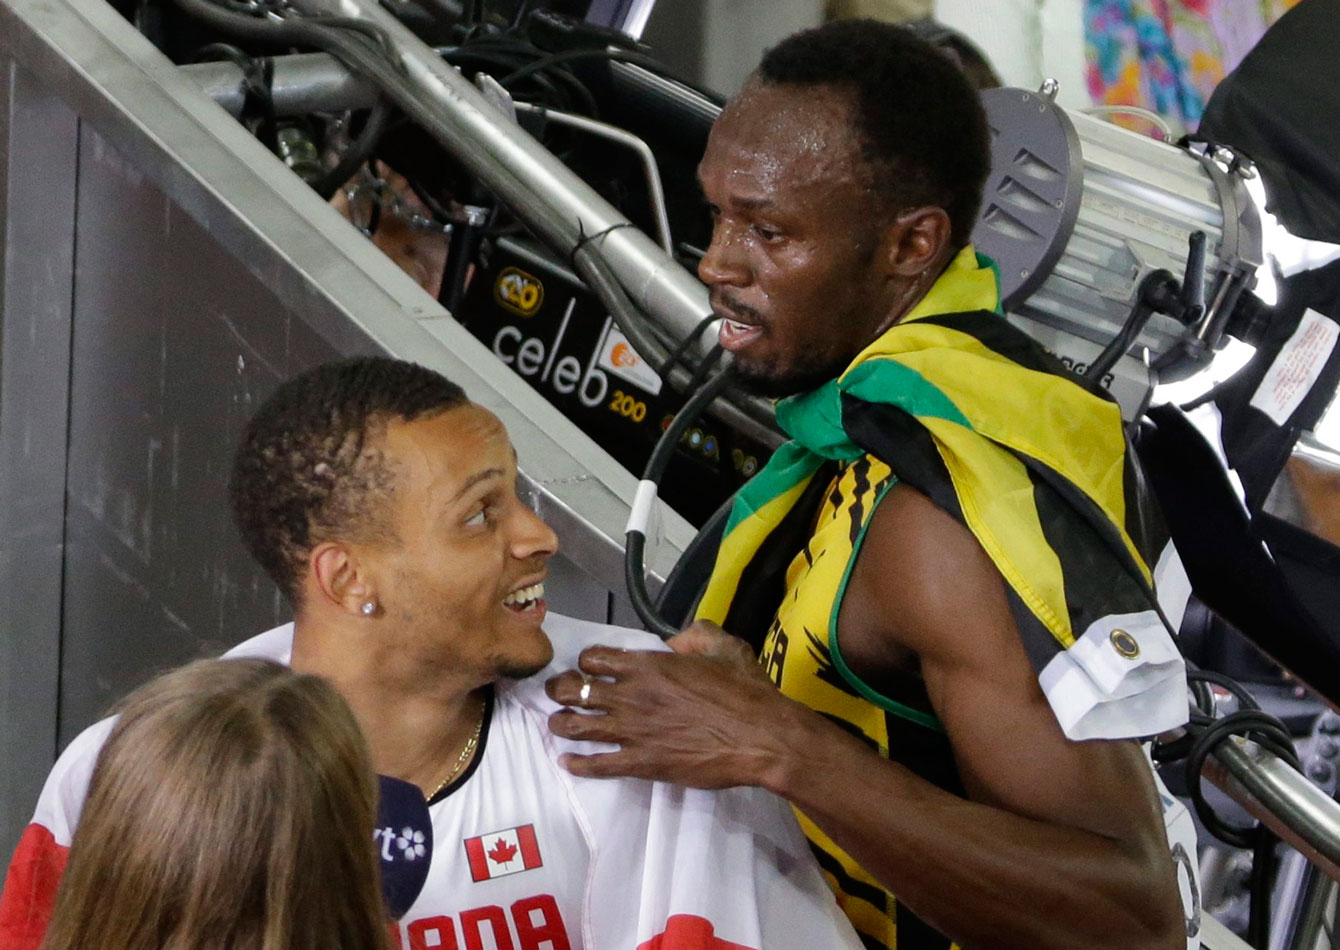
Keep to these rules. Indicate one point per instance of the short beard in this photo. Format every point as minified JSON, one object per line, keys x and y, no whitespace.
{"x":511,"y":668}
{"x":517,"y":672}
{"x":800,"y":379}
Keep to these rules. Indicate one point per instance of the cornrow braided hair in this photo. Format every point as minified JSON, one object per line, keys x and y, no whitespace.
{"x":920,"y":122}
{"x":309,"y":467}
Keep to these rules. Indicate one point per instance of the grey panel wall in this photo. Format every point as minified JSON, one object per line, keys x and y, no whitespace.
{"x":175,"y":344}
{"x":38,"y":152}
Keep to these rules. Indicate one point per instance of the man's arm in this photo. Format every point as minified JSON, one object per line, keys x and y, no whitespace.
{"x":1061,"y":844}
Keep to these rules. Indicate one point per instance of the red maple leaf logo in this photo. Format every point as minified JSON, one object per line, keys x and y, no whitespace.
{"x":502,"y":852}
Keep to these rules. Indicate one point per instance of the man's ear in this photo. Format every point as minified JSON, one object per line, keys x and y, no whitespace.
{"x":339,"y":577}
{"x":918,"y":240}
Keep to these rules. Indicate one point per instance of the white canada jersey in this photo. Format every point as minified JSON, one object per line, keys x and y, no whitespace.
{"x":509,"y":856}
{"x":525,"y":855}
{"x":510,"y":859}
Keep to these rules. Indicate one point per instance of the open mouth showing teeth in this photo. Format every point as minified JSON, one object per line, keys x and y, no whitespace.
{"x":733,"y":334}
{"x":527,"y":598}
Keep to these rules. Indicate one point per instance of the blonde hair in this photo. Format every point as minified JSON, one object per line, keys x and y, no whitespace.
{"x":231,"y":808}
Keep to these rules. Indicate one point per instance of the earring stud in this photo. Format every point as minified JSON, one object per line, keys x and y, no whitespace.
{"x":369,"y":608}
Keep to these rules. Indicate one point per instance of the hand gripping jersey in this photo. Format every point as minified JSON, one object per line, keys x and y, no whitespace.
{"x":529,"y":857}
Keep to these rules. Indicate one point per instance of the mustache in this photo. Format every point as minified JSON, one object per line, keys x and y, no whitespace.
{"x":722,"y":303}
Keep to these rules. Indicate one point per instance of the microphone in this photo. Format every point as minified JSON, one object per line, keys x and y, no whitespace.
{"x":404,"y":840}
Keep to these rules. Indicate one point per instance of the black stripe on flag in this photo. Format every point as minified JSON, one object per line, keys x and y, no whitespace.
{"x":905,"y":445}
{"x":993,"y":332}
{"x":1144,"y":520}
{"x":762,"y":584}
{"x":1097,"y":584}
{"x":1039,"y":643}
{"x":1068,"y":503}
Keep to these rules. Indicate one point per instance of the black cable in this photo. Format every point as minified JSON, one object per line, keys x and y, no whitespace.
{"x":1259,"y":889}
{"x":635,"y":538}
{"x":261,"y":88}
{"x":588,"y":100}
{"x":708,"y":363}
{"x":367,"y":28}
{"x":435,"y":207}
{"x":688,"y":579}
{"x":1203,"y":735}
{"x":257,"y":87}
{"x":469,"y":57}
{"x":631,"y":57}
{"x":635,"y":580}
{"x":241,"y":24}
{"x":1245,"y":699}
{"x":466,"y":239}
{"x":445,"y":13}
{"x":519,"y":16}
{"x":516,"y":57}
{"x":358,"y":151}
{"x":496,"y":45}
{"x":1270,"y":733}
{"x":1200,"y":691}
{"x":682,"y":347}
{"x":1262,"y":728}
{"x":362,"y":46}
{"x":213,"y":52}
{"x":330,"y":34}
{"x":568,"y":56}
{"x":690,"y":411}
{"x":597,"y":275}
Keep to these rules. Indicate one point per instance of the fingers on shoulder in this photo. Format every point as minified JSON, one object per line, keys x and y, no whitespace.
{"x":581,"y":726}
{"x":603,"y":765}
{"x":615,"y":662}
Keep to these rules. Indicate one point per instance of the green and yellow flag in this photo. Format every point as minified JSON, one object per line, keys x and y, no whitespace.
{"x":973,"y":413}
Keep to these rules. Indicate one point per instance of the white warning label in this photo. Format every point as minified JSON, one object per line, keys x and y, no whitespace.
{"x":1296,"y":367}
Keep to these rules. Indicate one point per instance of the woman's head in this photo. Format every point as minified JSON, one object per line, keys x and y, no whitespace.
{"x":232,"y":807}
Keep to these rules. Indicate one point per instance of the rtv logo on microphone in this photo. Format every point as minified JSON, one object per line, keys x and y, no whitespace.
{"x":407,"y":844}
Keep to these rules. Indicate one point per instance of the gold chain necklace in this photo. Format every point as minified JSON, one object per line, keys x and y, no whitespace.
{"x":463,"y":757}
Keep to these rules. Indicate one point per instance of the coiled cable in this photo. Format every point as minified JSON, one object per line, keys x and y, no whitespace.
{"x":1204,"y":733}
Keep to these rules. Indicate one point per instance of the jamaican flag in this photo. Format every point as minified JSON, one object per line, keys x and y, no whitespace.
{"x":974,"y":414}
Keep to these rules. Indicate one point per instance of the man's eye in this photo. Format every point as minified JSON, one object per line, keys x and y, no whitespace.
{"x":767,"y":233}
{"x":476,"y":519}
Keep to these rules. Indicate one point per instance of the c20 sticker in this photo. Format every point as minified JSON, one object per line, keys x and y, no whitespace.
{"x":518,"y":291}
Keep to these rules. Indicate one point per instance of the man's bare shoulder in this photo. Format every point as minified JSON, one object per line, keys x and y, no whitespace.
{"x":924,"y":587}
{"x":920,"y":580}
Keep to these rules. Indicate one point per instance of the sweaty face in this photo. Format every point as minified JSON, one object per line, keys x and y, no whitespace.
{"x":462,"y":583}
{"x":795,"y":238}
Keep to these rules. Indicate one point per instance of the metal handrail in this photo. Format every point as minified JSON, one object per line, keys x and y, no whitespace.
{"x":1282,"y":799}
